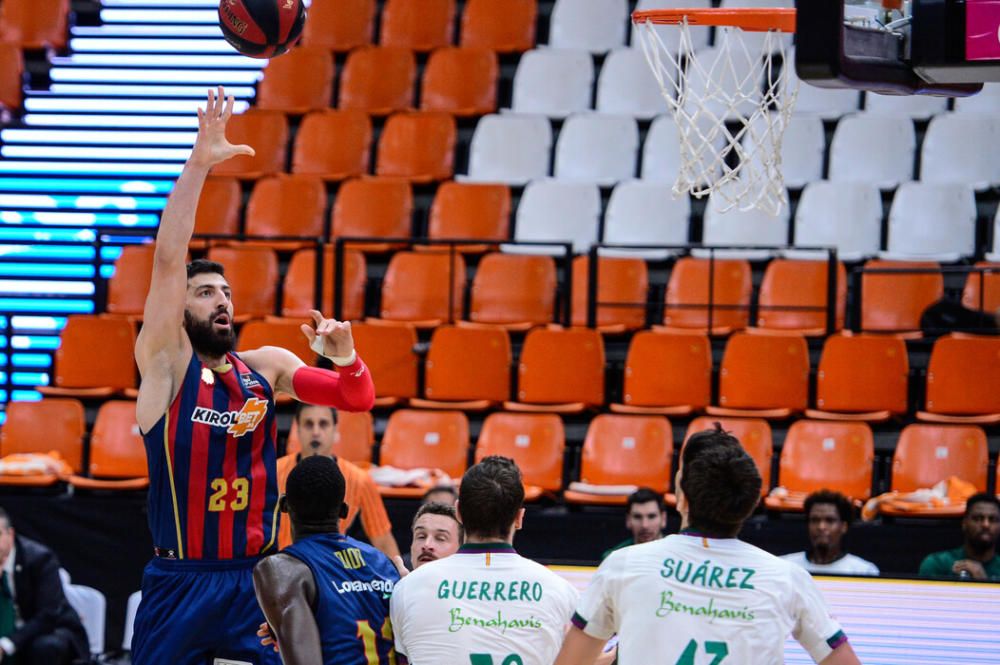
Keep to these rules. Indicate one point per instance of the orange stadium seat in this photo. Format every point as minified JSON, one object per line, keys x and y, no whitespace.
{"x":754,"y":435}
{"x":448,"y":383}
{"x":861,"y":377}
{"x":536,"y":441}
{"x":340,"y":25}
{"x":252,"y":273}
{"x":792,"y":283}
{"x":424,"y":440}
{"x":963,"y":380}
{"x":299,"y":82}
{"x":817,"y":455}
{"x":686,"y":302}
{"x":422,"y":25}
{"x":94,"y":358}
{"x":419,"y":146}
{"x":129,"y":284}
{"x":894,"y":302}
{"x":34,"y":24}
{"x":374,"y":208}
{"x":387,"y":349}
{"x":764,"y":376}
{"x":416,"y":289}
{"x":470,"y":210}
{"x":286,"y":205}
{"x":513,"y":291}
{"x":299,"y":294}
{"x":286,"y":333}
{"x":561,"y":371}
{"x":218,"y":211}
{"x":333,"y":145}
{"x":117,"y":452}
{"x":622,"y":286}
{"x":267,"y":132}
{"x":378,"y":80}
{"x":503,"y":27}
{"x":51,"y":425}
{"x":624,"y":451}
{"x":11,"y":76}
{"x":667,"y":374}
{"x":461,"y":80}
{"x":354,"y":442}
{"x":982,"y":290}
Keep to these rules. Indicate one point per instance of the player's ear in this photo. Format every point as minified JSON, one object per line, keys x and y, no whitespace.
{"x":283,"y":503}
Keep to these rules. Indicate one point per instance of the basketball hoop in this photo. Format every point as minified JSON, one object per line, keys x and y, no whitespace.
{"x":731,"y":107}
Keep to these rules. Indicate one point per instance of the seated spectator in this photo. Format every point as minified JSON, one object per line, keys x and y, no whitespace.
{"x":645,"y":518}
{"x":37,"y":624}
{"x":445,"y":494}
{"x":977,"y":557}
{"x":437,"y":533}
{"x":828,"y":516}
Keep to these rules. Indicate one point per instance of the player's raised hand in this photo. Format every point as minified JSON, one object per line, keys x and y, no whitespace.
{"x":211,"y":146}
{"x":331,"y":338}
{"x":400,"y":566}
{"x":267,"y":637}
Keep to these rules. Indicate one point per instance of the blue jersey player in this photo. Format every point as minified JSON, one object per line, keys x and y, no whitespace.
{"x":326,"y":597}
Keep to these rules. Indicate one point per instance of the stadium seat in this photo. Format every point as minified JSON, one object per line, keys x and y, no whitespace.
{"x":764,"y":376}
{"x":298,"y":83}
{"x":792,"y":283}
{"x":421,"y":25}
{"x":62,"y":433}
{"x":419,"y":146}
{"x":932,"y":222}
{"x":982,"y":289}
{"x":823,"y":455}
{"x":687,"y":296}
{"x":333,"y":145}
{"x":510,"y":148}
{"x":827,"y":103}
{"x":218,"y":212}
{"x":379,"y":80}
{"x":35,"y":25}
{"x":666,"y":374}
{"x":599,"y":148}
{"x":513,"y":292}
{"x":622,"y":293}
{"x":894,"y":302}
{"x":624,"y":452}
{"x":963,"y":380}
{"x":958,"y":148}
{"x":553,"y":82}
{"x":504,"y":28}
{"x":802,"y":150}
{"x":754,"y":435}
{"x":669,"y":34}
{"x":128,"y":286}
{"x":252,"y":273}
{"x":373,"y":208}
{"x":286,"y":205}
{"x":132,"y":607}
{"x":661,"y":153}
{"x":388,"y":352}
{"x":556,"y":211}
{"x":718,"y":84}
{"x":91,"y":606}
{"x":94,"y":358}
{"x":117,"y":452}
{"x":742,"y":227}
{"x":861,"y":377}
{"x":645,"y":213}
{"x":267,"y":132}
{"x":626,"y":85}
{"x":985,"y":101}
{"x":299,"y":292}
{"x":594,"y":25}
{"x":917,"y":107}
{"x":468,"y":210}
{"x":416,"y":290}
{"x":11,"y":76}
{"x":340,"y":25}
{"x":844,"y":215}
{"x":448,"y":383}
{"x":461,"y":81}
{"x":286,"y":333}
{"x":560,"y":371}
{"x":424,"y":440}
{"x":354,"y":441}
{"x":994,"y":255}
{"x":535,"y":441}
{"x":873,"y":149}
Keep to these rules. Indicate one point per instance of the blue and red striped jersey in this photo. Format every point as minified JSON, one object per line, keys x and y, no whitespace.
{"x":213,"y":482}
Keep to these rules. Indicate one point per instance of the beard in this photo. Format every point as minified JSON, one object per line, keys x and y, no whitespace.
{"x":205,"y":339}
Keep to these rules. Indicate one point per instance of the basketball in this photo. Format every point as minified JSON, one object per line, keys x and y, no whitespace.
{"x":262,"y":28}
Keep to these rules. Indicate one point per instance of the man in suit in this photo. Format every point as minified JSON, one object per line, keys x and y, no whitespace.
{"x":37,"y":624}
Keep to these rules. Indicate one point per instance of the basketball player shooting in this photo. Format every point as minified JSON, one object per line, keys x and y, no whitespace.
{"x":208,"y":420}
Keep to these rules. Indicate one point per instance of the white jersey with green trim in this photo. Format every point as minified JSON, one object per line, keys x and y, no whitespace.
{"x":484,"y":605}
{"x":687,"y":599}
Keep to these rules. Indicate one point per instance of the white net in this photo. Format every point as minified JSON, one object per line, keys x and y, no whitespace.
{"x":731,"y":104}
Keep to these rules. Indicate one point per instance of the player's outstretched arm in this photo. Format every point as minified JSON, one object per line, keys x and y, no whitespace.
{"x":579,"y":648}
{"x":286,"y":592}
{"x":842,"y":655}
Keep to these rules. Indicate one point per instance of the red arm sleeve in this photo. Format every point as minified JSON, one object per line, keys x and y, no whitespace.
{"x":350,"y":389}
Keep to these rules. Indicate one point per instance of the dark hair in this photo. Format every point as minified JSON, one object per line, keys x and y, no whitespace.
{"x":199,"y":266}
{"x":720,"y":481}
{"x":302,"y":406}
{"x":314,"y":492}
{"x":450,"y":489}
{"x":824,"y":496}
{"x":645,"y":495}
{"x":490,"y":495}
{"x":435,"y":508}
{"x":5,"y":518}
{"x":981,"y":497}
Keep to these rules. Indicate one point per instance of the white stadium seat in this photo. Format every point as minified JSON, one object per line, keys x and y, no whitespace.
{"x":873,"y":148}
{"x":641,"y":212}
{"x":512,"y":148}
{"x":599,"y":148}
{"x":661,"y":153}
{"x":932,"y":222}
{"x":561,"y":211}
{"x":986,"y":100}
{"x":918,"y":107}
{"x":827,"y":103}
{"x":743,"y":227}
{"x":553,"y":82}
{"x":595,"y":25}
{"x":130,"y":611}
{"x":626,"y":85}
{"x":802,"y":148}
{"x":844,"y":215}
{"x":995,"y":254}
{"x":962,"y":148}
{"x":92,"y":607}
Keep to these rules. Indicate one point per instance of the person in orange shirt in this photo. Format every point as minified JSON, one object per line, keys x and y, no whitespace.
{"x":317,"y":426}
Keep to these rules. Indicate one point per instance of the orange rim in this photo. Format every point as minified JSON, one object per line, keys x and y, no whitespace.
{"x":750,"y":19}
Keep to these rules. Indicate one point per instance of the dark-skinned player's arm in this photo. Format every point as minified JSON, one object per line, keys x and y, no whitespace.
{"x":286,"y":592}
{"x":162,"y":347}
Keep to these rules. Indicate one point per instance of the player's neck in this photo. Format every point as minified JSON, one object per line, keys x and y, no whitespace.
{"x":211,"y":361}
{"x":825,"y":556}
{"x":471,"y":539}
{"x":981,"y":555}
